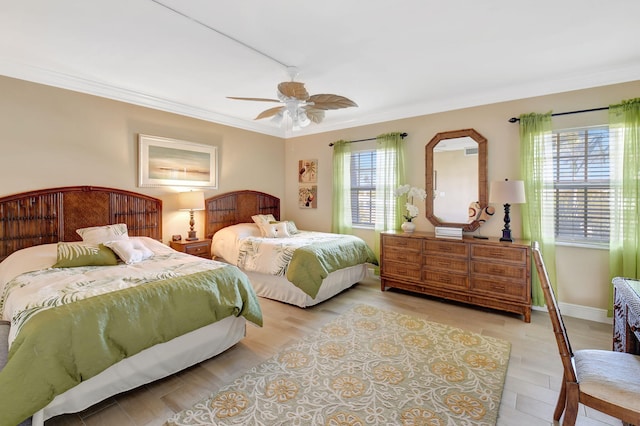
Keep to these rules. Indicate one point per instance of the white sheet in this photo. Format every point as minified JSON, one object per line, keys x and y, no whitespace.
{"x":281,"y":289}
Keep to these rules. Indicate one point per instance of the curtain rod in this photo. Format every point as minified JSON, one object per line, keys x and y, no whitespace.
{"x":515,"y":120}
{"x":402,"y":135}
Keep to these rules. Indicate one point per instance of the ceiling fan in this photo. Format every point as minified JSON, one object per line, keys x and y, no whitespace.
{"x":298,"y":105}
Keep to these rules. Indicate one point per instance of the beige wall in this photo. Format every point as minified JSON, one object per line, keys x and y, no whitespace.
{"x":583,"y":273}
{"x":52,"y":137}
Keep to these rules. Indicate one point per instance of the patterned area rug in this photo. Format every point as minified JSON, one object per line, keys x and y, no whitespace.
{"x":367,"y":367}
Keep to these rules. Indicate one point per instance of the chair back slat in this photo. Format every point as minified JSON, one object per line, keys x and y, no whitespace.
{"x":559,"y":329}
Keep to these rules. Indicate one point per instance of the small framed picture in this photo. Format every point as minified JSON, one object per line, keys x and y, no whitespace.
{"x":176,"y":238}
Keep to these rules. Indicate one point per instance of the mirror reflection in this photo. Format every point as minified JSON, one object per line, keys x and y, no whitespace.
{"x":455,"y":187}
{"x":456,"y":164}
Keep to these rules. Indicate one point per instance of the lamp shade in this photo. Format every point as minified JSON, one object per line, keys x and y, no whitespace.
{"x":191,"y":200}
{"x":507,"y":192}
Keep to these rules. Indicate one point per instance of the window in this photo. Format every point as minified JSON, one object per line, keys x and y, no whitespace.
{"x":363,"y":188}
{"x":581,"y":184}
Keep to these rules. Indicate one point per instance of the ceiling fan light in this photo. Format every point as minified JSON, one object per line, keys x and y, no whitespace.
{"x":303,"y":120}
{"x":277,"y":119}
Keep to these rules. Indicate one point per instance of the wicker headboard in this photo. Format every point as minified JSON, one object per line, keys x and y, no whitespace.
{"x":53,"y":215}
{"x":237,"y":207}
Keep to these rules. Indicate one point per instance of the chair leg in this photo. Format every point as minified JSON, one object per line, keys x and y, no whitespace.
{"x":573,"y":398}
{"x":562,"y":400}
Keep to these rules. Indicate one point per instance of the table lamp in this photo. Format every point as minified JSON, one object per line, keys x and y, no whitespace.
{"x":191,"y":201}
{"x":507,"y":192}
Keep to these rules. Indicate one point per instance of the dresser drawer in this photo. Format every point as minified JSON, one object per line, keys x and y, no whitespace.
{"x":201,"y":248}
{"x":389,"y":241}
{"x":433,"y":247}
{"x":499,"y":270}
{"x":515,"y":290}
{"x":402,"y":255}
{"x":403,"y":270}
{"x":198,"y":250}
{"x":442,"y":279}
{"x":446,"y":264}
{"x":503,"y":254}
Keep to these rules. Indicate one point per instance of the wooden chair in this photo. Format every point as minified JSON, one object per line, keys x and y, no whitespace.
{"x":606,"y":381}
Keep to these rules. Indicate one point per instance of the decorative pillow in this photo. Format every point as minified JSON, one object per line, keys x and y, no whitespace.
{"x":72,"y":255}
{"x":276,"y":230}
{"x":102,"y":234}
{"x":263,"y":221}
{"x":130,"y":250}
{"x":291,"y":227}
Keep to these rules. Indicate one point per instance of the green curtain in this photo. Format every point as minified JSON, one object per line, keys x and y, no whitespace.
{"x":624,"y":240}
{"x":341,"y":211}
{"x":390,"y":172}
{"x":538,"y":212}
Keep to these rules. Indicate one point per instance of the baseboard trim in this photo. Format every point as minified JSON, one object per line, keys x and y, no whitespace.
{"x":580,"y":311}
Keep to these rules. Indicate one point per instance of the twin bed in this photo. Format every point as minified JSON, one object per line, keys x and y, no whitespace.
{"x":146,"y":311}
{"x":302,"y":268}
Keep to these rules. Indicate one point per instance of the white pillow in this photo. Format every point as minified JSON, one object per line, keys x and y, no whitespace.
{"x":276,"y":230}
{"x":102,"y":234}
{"x":291,"y":227}
{"x":263,"y":221}
{"x":130,"y":250}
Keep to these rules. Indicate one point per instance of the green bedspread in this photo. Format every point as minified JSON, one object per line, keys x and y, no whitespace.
{"x":313,"y":263}
{"x":62,"y":346}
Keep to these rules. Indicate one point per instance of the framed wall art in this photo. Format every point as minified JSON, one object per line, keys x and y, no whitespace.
{"x":172,"y":162}
{"x":308,"y":196}
{"x":308,"y":171}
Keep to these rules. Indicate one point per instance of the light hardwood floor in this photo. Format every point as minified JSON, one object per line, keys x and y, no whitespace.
{"x":530,"y":392}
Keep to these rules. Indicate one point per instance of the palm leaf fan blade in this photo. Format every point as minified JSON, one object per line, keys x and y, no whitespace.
{"x":315,"y":115}
{"x":252,"y":99}
{"x":269,"y":112}
{"x":329,"y":101}
{"x":293,"y":89}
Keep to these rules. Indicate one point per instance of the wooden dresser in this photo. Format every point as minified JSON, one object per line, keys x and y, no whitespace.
{"x":487,"y":273}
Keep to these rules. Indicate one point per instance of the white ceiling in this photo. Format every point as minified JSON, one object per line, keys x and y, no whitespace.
{"x":394,"y":59}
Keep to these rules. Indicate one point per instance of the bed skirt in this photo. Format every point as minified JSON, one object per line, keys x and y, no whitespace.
{"x":147,"y":366}
{"x":279,"y":288}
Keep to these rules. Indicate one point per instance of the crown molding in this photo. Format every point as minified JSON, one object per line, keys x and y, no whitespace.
{"x":502,"y":94}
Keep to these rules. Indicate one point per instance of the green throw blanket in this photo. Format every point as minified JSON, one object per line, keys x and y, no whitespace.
{"x":313,"y":263}
{"x":60,"y":347}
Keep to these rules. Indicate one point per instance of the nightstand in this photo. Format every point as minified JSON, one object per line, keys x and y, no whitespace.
{"x":200,"y":248}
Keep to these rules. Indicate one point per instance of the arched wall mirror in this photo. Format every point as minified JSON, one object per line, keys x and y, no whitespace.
{"x":456,"y":167}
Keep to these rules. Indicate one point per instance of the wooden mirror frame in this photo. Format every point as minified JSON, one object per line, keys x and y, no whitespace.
{"x":482,"y":176}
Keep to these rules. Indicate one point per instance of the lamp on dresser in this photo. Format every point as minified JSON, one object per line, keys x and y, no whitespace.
{"x":507,"y":192}
{"x":191,"y":201}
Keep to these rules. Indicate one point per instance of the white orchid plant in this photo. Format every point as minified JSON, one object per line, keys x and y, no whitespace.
{"x":411,"y":192}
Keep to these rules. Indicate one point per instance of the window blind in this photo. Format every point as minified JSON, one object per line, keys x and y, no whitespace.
{"x":581,"y":190}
